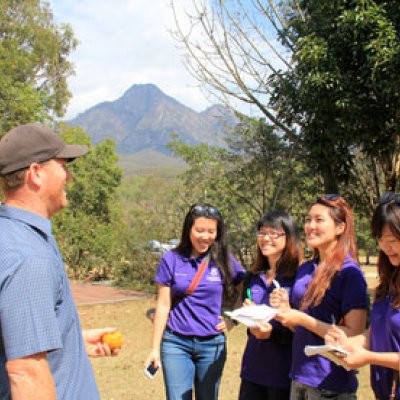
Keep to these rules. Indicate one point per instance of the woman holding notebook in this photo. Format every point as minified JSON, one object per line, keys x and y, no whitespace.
{"x":268,"y":353}
{"x":188,"y":330}
{"x":330,"y":289}
{"x":380,"y":345}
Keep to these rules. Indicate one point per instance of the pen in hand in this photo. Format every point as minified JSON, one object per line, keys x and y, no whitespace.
{"x":333,"y":323}
{"x":248,"y":294}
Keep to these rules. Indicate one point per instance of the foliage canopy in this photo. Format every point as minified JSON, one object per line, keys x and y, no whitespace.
{"x":33,"y":63}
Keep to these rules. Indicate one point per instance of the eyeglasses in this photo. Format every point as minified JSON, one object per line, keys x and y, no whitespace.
{"x":271,"y":235}
{"x":205,"y":211}
{"x":389,"y":197}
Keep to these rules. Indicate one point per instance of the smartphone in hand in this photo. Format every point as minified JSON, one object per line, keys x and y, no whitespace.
{"x":151,"y":370}
{"x":339,"y":353}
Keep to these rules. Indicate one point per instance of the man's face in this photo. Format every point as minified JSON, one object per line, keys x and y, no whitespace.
{"x":55,"y":179}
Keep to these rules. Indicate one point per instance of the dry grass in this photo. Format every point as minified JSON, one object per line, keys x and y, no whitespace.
{"x":122,"y":377}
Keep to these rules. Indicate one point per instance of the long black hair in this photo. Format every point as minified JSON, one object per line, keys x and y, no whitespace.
{"x":387,"y":213}
{"x":292,"y":254}
{"x":218,"y":250}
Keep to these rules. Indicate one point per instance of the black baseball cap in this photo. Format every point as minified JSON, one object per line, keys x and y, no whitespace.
{"x":34,"y":143}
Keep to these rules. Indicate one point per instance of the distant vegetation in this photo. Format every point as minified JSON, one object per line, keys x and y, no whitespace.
{"x":150,"y":162}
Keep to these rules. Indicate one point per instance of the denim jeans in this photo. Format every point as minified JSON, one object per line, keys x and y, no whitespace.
{"x":188,"y":360}
{"x":298,"y":391}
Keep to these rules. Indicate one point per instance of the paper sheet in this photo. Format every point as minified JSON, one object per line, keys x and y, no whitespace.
{"x":333,"y":353}
{"x":251,"y":316}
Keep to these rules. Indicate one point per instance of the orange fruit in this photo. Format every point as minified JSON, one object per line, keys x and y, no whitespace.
{"x":114,"y":340}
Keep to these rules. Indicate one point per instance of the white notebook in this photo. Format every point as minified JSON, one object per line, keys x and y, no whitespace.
{"x":333,"y":353}
{"x":251,"y":316}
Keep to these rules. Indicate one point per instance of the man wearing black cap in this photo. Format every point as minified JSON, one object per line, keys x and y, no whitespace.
{"x":43,"y":354}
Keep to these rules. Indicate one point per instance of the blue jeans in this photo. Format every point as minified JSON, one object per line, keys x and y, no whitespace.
{"x":188,"y":360}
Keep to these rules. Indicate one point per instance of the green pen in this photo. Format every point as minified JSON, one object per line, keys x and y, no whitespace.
{"x":248,"y":292}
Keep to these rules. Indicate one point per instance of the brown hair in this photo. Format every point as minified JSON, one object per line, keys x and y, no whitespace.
{"x":13,"y":180}
{"x":387,"y":214}
{"x":341,"y":212}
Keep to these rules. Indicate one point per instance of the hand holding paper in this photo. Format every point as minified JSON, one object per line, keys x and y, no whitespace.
{"x":333,"y":353}
{"x":252,"y":316}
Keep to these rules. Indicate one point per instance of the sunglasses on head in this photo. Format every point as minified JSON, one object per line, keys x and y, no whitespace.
{"x":204,"y":211}
{"x":330,"y":196}
{"x":389,"y":197}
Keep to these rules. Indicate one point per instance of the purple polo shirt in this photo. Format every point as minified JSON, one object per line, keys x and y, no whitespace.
{"x":196,"y":314}
{"x":384,"y":337}
{"x":348,"y":291}
{"x":265,"y":362}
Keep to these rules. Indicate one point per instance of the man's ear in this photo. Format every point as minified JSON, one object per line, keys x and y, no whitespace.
{"x":34,"y":175}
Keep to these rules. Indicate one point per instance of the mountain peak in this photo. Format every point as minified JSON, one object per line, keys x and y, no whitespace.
{"x":144,"y":117}
{"x":143,"y":88}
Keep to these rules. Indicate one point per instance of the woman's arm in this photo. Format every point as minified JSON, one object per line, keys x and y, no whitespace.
{"x":358,"y":353}
{"x":354,"y":322}
{"x":363,"y":357}
{"x":163,"y":308}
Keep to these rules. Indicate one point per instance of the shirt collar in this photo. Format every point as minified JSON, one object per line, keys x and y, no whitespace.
{"x":190,"y":258}
{"x":27,"y":217}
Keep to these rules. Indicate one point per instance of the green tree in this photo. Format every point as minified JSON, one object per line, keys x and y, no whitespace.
{"x":153,"y":210}
{"x":33,"y":63}
{"x":344,"y":85}
{"x":365,"y":243}
{"x":330,"y":84}
{"x":91,"y":230}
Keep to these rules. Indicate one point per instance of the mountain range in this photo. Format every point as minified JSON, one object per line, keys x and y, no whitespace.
{"x":143,"y":119}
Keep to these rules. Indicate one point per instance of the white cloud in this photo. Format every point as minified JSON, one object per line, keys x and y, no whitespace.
{"x":123,"y":42}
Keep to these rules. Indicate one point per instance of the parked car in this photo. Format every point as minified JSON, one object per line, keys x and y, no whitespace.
{"x":160,"y":248}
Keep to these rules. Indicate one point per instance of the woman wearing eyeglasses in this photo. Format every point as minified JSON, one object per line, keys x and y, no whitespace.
{"x":328,"y":290}
{"x":380,"y":345}
{"x":268,"y":353}
{"x":188,"y":330}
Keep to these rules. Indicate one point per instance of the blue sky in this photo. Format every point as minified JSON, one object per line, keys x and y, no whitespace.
{"x":123,"y":42}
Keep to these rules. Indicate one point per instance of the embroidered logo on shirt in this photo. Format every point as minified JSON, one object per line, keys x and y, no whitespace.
{"x":214,"y":275}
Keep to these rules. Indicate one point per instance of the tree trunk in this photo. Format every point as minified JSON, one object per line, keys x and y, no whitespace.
{"x":330,"y":184}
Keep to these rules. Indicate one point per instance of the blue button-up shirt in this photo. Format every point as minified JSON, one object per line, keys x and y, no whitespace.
{"x":37,"y":312}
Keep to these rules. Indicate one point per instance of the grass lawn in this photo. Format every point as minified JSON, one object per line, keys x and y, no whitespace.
{"x":122,"y":377}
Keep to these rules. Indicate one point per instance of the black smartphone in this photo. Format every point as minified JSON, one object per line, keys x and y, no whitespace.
{"x":151,"y":370}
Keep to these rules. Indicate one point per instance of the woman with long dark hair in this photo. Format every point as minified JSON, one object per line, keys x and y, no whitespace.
{"x":380,"y":345}
{"x":268,"y":353}
{"x":330,"y":289}
{"x":188,"y":330}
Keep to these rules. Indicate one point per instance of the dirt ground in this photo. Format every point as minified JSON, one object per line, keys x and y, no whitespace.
{"x":91,"y":293}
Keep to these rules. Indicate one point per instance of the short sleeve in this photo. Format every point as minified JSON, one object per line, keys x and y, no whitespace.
{"x":28,"y":309}
{"x":238,"y":271}
{"x":354,"y":290}
{"x":165,"y":273}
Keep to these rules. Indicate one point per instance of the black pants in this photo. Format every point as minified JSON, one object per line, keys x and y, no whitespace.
{"x":252,"y":391}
